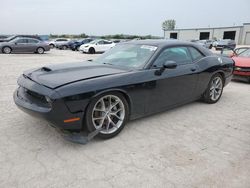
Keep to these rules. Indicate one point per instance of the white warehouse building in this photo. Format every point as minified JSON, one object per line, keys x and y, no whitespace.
{"x":241,"y":34}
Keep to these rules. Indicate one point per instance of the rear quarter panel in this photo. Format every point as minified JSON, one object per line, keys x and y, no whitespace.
{"x":211,"y":65}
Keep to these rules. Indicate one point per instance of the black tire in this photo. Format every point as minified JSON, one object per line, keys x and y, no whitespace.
{"x":6,"y":50}
{"x":211,"y":46}
{"x":52,"y":46}
{"x":40,"y":50}
{"x":88,"y":116}
{"x":78,"y":48}
{"x":92,"y":51}
{"x":207,"y":95}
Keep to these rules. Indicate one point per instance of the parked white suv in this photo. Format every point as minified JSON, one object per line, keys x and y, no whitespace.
{"x":59,"y":41}
{"x":97,"y":46}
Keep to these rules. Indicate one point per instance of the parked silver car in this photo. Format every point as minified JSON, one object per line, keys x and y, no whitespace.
{"x":225,"y":43}
{"x":24,"y":45}
{"x":59,"y":41}
{"x":205,"y":43}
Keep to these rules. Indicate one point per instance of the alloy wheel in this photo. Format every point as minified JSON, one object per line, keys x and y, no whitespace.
{"x":40,"y":50}
{"x":216,"y":88}
{"x":108,"y":114}
{"x":6,"y":50}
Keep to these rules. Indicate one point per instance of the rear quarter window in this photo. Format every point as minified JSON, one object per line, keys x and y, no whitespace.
{"x":196,"y":54}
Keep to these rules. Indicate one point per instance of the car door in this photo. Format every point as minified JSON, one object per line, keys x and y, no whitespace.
{"x":107,"y":45}
{"x":100,"y":46}
{"x":60,"y":41}
{"x":32,"y":45}
{"x":20,"y":45}
{"x":173,"y":86}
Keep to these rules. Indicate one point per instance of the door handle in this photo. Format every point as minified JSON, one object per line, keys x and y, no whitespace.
{"x":193,"y":69}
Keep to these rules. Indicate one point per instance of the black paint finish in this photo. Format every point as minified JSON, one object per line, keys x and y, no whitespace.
{"x":71,"y":87}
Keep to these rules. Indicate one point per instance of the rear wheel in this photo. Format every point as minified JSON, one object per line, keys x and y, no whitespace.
{"x":52,"y":46}
{"x":91,"y":50}
{"x":64,"y":47}
{"x":40,"y":50}
{"x":214,"y":89}
{"x":108,"y":112}
{"x":7,"y":50}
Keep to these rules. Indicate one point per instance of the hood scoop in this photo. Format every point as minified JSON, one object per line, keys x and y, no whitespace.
{"x":45,"y":69}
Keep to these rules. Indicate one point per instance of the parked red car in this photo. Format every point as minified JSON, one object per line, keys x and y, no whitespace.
{"x":241,"y":56}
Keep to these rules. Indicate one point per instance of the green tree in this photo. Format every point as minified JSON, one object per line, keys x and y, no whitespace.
{"x":168,"y":25}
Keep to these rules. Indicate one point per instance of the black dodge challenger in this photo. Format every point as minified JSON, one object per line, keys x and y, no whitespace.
{"x":132,"y":80}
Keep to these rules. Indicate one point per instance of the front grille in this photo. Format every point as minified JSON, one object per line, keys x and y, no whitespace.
{"x":37,"y":96}
{"x":244,"y":69}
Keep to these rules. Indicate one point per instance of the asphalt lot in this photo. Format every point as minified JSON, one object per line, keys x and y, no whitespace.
{"x":196,"y":145}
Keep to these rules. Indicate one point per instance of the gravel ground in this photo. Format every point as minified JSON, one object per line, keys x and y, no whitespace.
{"x":196,"y":145}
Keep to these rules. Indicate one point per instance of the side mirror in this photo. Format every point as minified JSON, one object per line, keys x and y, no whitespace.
{"x":170,"y":65}
{"x":166,"y":65}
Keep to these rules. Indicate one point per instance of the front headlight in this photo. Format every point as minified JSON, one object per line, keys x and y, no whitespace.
{"x":237,"y":68}
{"x":48,"y":99}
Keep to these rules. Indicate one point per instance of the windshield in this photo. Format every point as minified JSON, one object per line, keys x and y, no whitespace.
{"x":10,"y":38}
{"x":127,"y":55}
{"x":245,"y":53}
{"x":94,"y":41}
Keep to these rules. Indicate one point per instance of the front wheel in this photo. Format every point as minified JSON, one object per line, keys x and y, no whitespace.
{"x":64,"y":47}
{"x":52,"y":46}
{"x":214,"y":90}
{"x":108,"y":112}
{"x":6,"y":50}
{"x":91,"y":50}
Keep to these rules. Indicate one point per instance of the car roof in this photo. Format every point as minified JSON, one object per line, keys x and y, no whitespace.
{"x":161,"y":43}
{"x":27,"y":38}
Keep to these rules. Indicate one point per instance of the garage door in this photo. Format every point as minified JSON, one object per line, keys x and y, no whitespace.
{"x":247,"y":39}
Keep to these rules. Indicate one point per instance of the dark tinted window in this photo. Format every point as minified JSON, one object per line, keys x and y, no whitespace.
{"x":101,"y":42}
{"x":178,"y":54}
{"x":107,"y":42}
{"x":195,"y":54}
{"x":60,"y":40}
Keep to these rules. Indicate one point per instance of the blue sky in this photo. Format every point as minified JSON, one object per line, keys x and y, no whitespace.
{"x":100,"y":17}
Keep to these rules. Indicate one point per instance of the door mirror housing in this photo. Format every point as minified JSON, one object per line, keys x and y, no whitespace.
{"x":170,"y":65}
{"x":166,"y":65}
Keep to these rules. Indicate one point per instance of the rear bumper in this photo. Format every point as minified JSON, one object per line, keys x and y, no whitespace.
{"x":56,"y":113}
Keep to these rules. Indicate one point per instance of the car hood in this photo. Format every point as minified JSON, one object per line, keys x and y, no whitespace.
{"x":63,"y":74}
{"x":242,"y":61}
{"x":4,"y":43}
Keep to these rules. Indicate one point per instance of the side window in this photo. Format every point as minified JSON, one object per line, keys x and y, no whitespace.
{"x":178,"y":54}
{"x":32,"y":41}
{"x":107,"y":42}
{"x":195,"y":54}
{"x":101,"y":42}
{"x":21,"y":41}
